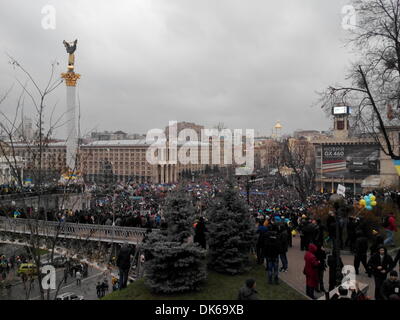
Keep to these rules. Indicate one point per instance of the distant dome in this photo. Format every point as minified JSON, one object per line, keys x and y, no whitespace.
{"x":278,"y":125}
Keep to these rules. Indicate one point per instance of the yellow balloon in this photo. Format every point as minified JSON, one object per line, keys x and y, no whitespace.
{"x":373,"y":203}
{"x":363,"y":203}
{"x":373,"y":198}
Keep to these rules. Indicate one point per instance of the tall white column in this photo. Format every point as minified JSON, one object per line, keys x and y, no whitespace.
{"x":72,"y":134}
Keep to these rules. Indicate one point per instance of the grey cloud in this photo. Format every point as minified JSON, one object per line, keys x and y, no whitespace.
{"x":143,"y":63}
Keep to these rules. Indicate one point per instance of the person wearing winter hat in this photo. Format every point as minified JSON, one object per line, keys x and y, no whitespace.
{"x":390,"y":289}
{"x":380,"y":264}
{"x":248,"y":292}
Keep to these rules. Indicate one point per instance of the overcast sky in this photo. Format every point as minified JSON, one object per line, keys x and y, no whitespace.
{"x":145,"y":62}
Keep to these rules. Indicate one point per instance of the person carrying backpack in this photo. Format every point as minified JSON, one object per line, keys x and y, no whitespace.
{"x":271,"y":253}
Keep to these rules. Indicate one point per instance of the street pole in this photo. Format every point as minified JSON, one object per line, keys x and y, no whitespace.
{"x":322,"y":172}
{"x":248,"y":190}
{"x":338,"y":203}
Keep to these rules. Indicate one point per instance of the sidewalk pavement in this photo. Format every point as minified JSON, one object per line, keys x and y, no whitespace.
{"x":296,"y":279}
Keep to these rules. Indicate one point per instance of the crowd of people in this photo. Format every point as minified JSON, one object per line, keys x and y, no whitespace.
{"x":275,"y":232}
{"x":7,"y":190}
{"x":280,"y":215}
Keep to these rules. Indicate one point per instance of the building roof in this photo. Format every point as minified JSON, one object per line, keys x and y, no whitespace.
{"x":138,"y":143}
{"x":33,"y":145}
{"x":115,"y":143}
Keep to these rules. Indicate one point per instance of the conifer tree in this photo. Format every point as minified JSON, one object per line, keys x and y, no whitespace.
{"x":173,"y":262}
{"x":231,"y":233}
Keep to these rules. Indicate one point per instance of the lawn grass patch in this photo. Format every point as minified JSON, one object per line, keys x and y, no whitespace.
{"x":216,"y":287}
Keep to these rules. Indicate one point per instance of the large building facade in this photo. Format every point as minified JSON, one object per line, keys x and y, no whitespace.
{"x":355,"y":161}
{"x":127,"y":160}
{"x":113,"y":161}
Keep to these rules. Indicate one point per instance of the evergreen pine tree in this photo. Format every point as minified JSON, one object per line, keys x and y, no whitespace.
{"x":174,"y":263}
{"x":231,"y":233}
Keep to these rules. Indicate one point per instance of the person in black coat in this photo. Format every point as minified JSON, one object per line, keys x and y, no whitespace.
{"x":284,"y":245}
{"x":396,"y":259}
{"x":377,"y":242}
{"x":272,"y":248}
{"x":331,"y":226}
{"x":259,"y":245}
{"x":98,"y":289}
{"x":343,"y":294}
{"x":351,"y":233}
{"x":360,"y":252}
{"x":248,"y":292}
{"x":124,"y":264}
{"x":319,"y":233}
{"x":302,"y":225}
{"x":332,"y":263}
{"x":363,"y":226}
{"x":200,"y":233}
{"x":321,"y":256}
{"x":380,"y":264}
{"x":390,"y":289}
{"x":309,"y":232}
{"x":289,"y":228}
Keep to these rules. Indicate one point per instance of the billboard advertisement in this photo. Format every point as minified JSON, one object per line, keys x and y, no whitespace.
{"x":350,"y":161}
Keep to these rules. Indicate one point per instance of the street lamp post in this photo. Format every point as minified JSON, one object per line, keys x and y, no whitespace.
{"x":248,"y":190}
{"x":338,"y":203}
{"x":249,"y":181}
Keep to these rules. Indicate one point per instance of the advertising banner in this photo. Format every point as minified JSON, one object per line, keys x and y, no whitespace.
{"x":350,"y":161}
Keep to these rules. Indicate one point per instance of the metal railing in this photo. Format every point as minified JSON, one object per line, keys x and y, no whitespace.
{"x":73,"y":230}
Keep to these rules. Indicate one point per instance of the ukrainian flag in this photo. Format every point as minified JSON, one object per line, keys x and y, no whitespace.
{"x":397,"y":166}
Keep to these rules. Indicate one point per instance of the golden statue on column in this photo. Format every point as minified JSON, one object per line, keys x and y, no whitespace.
{"x":71,"y":173}
{"x":71,"y":47}
{"x":70,"y":77}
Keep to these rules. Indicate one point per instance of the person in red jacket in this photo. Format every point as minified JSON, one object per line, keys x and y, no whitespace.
{"x":390,"y":228}
{"x":311,"y":270}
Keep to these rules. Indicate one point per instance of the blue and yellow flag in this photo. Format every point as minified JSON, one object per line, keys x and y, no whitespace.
{"x":397,"y":166}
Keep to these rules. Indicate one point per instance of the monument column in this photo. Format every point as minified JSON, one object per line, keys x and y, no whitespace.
{"x":71,"y":78}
